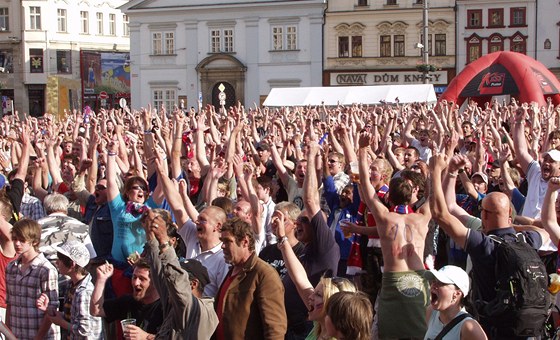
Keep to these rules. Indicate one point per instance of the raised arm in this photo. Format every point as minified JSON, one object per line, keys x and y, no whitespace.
{"x":370,"y":198}
{"x":310,"y":183}
{"x":177,"y":144}
{"x":112,"y":187}
{"x":519,"y":141}
{"x":457,"y":162}
{"x":450,"y":224}
{"x":171,"y":194}
{"x":104,"y":272}
{"x":293,"y":264}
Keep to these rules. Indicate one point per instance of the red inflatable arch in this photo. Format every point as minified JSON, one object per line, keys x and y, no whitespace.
{"x":504,"y":73}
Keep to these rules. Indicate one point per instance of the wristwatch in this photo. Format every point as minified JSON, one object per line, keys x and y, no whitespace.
{"x":283,"y":239}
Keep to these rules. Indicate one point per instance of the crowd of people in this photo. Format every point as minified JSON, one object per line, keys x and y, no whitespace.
{"x":349,"y":222}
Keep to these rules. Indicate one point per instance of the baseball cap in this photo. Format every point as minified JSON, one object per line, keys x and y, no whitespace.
{"x":75,"y":251}
{"x":196,"y":269}
{"x":554,"y":154}
{"x":450,"y":275}
{"x":494,"y":164}
{"x":263,"y":146}
{"x":482,"y":175}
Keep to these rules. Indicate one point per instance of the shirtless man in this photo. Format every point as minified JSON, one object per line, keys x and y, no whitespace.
{"x":404,"y":291}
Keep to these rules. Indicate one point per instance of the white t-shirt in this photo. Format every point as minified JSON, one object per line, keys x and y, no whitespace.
{"x":212,"y":259}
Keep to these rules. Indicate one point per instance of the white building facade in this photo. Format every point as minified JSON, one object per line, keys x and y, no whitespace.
{"x":547,"y":44}
{"x":182,"y":51}
{"x":371,"y":42}
{"x":44,"y":40}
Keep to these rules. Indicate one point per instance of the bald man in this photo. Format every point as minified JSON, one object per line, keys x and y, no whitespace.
{"x":496,"y":220}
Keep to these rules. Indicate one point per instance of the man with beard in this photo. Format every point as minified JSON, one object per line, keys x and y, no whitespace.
{"x":144,"y":304}
{"x":250,"y":302}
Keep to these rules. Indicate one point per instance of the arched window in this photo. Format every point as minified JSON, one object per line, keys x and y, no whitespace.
{"x":495,"y":43}
{"x":518,"y":43}
{"x":474,"y":48}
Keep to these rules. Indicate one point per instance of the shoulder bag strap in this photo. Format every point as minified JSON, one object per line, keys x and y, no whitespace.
{"x":451,"y":324}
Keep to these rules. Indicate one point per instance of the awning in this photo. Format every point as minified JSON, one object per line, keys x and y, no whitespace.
{"x":348,"y":95}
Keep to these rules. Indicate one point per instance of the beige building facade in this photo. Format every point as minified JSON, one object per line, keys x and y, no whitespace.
{"x":377,"y":42}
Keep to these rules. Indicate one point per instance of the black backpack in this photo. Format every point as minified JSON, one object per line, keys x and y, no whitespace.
{"x":522,"y":301}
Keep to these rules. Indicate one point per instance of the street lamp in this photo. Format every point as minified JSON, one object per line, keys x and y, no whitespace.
{"x":425,"y":40}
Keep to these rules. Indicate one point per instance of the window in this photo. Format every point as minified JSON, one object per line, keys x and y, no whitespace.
{"x":496,"y":17}
{"x":36,"y":60}
{"x":347,"y":44}
{"x":362,"y":3}
{"x":474,"y":18}
{"x":163,"y":43}
{"x":440,"y":48}
{"x":99,"y":16}
{"x":517,"y":16}
{"x":343,"y":47}
{"x":357,"y":46}
{"x":291,"y":38}
{"x":34,"y":18}
{"x":6,"y":61}
{"x":284,"y":38}
{"x":398,"y":48}
{"x":429,"y":47}
{"x":221,"y":40}
{"x":391,"y":2}
{"x":4,"y":19}
{"x":164,"y":97}
{"x":112,"y":24}
{"x":385,"y":46}
{"x":61,"y":20}
{"x":518,"y":43}
{"x":126,"y":29}
{"x":64,"y":61}
{"x":84,"y":18}
{"x":474,"y":49}
{"x":495,"y":43}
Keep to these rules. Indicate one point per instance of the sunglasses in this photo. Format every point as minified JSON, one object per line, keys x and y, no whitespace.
{"x":336,"y":280}
{"x":100,"y":187}
{"x":138,"y":187}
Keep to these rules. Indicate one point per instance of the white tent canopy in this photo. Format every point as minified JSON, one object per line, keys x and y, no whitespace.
{"x":348,"y":95}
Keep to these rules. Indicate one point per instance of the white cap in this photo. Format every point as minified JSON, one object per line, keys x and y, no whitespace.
{"x":481,"y":175}
{"x":554,"y":154}
{"x":75,"y":251}
{"x":451,"y":275}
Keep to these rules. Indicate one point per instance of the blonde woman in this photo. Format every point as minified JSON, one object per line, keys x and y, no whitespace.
{"x":316,"y":298}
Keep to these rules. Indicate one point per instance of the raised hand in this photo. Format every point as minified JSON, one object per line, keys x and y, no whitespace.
{"x":365,"y":139}
{"x":438,"y":162}
{"x":104,"y":271}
